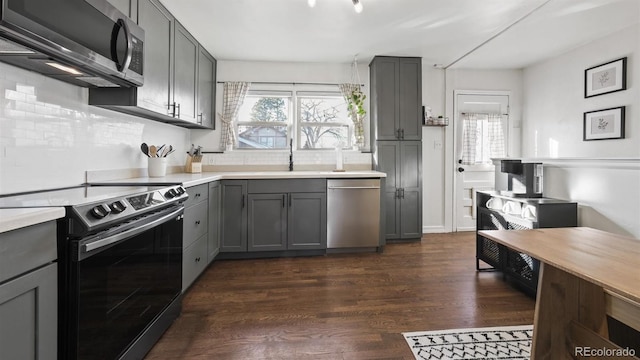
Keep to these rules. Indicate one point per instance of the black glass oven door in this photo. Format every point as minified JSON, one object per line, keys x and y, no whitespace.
{"x":123,"y":286}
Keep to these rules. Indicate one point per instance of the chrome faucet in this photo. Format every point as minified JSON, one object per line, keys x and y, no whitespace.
{"x":291,"y":155}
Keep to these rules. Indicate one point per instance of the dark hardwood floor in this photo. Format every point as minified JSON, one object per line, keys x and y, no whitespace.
{"x":346,"y":306}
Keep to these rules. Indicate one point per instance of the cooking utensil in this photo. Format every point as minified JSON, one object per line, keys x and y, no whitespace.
{"x":170,"y":149}
{"x":145,"y":149}
{"x":153,"y":151}
{"x":159,"y":151}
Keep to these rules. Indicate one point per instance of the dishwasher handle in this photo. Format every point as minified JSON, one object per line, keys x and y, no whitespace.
{"x":353,"y":187}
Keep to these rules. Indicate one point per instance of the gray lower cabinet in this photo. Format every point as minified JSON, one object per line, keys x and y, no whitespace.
{"x":195,"y":236}
{"x":402,"y":162}
{"x":267,"y":222}
{"x":194,"y":262}
{"x":307,"y":221}
{"x":213,"y":234}
{"x":233,"y":217}
{"x":29,"y":293}
{"x":273,"y":215}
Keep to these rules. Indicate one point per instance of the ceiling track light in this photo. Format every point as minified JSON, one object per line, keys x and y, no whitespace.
{"x":357,"y":5}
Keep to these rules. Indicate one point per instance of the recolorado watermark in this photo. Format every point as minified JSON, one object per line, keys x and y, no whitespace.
{"x":587,"y":351}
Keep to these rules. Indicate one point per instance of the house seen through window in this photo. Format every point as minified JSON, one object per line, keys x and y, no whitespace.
{"x":314,"y":119}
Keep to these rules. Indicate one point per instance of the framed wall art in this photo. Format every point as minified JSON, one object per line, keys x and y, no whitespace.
{"x":604,"y":124}
{"x":606,"y":78}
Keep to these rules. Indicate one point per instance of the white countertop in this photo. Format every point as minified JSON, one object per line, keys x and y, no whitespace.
{"x":11,"y":219}
{"x":188,"y":180}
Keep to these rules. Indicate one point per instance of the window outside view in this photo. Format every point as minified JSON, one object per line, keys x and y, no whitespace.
{"x":263,"y":122}
{"x":266,"y":120}
{"x":324,"y":122}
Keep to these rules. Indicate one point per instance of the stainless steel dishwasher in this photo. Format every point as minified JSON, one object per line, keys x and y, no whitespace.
{"x":353,"y":213}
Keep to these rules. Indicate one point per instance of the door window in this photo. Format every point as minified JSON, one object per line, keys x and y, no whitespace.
{"x":483,"y":138}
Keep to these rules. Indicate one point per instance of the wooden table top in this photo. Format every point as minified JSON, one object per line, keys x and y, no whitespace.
{"x":609,"y":260}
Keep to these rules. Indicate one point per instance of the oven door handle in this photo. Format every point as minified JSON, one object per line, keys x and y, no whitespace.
{"x":97,"y":244}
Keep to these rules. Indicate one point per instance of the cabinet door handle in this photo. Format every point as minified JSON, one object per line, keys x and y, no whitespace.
{"x":398,"y":134}
{"x":178,"y":111}
{"x":174,"y":106}
{"x":197,"y":222}
{"x":283,"y":200}
{"x":401,"y":132}
{"x":397,"y":193}
{"x":200,"y":118}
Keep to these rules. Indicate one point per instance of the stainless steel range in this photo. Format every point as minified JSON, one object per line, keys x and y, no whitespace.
{"x":120,"y":266}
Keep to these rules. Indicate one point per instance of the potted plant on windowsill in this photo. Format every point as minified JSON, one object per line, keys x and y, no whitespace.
{"x":355,"y":106}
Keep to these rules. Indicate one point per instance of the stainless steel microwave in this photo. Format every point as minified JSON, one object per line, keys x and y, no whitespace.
{"x":88,"y":43}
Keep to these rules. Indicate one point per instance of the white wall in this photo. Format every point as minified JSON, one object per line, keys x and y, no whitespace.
{"x":49,"y":136}
{"x":555,"y":103}
{"x":280,"y":72}
{"x":439,"y":155}
{"x":602,"y":176}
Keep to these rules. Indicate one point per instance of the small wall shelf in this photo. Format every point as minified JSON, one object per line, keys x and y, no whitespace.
{"x":439,"y":121}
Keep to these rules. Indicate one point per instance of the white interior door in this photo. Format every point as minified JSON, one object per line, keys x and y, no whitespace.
{"x":480,"y":174}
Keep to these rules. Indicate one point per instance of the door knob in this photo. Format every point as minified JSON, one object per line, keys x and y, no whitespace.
{"x":460,"y":169}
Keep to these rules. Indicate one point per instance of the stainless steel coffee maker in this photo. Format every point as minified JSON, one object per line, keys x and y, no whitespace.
{"x":524,"y":179}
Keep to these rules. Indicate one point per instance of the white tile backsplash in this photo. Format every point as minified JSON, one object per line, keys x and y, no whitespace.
{"x":49,"y":136}
{"x":300,"y":157}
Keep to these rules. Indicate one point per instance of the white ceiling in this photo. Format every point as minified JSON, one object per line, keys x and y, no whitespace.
{"x":510,"y":33}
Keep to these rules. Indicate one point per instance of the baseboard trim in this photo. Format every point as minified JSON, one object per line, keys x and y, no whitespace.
{"x":434,"y":230}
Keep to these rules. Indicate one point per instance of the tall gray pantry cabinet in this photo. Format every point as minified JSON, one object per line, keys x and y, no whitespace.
{"x":396,"y":127}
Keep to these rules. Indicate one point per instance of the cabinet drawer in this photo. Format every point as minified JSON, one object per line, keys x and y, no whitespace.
{"x":197,"y":194}
{"x":195,"y":223}
{"x":27,"y":248}
{"x":287,"y":186}
{"x":194,"y":261}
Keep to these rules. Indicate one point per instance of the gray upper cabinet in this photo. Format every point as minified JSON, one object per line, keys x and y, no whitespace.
{"x":173,"y":77}
{"x":125,"y":6}
{"x":205,"y":115}
{"x":233,"y":218}
{"x":396,"y":98}
{"x":185,"y":78}
{"x":158,"y":25}
{"x":402,"y":162}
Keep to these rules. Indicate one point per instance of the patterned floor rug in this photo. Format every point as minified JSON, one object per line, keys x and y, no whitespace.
{"x":506,"y":342}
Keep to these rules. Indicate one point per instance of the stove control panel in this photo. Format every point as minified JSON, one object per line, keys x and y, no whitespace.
{"x":111,"y":211}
